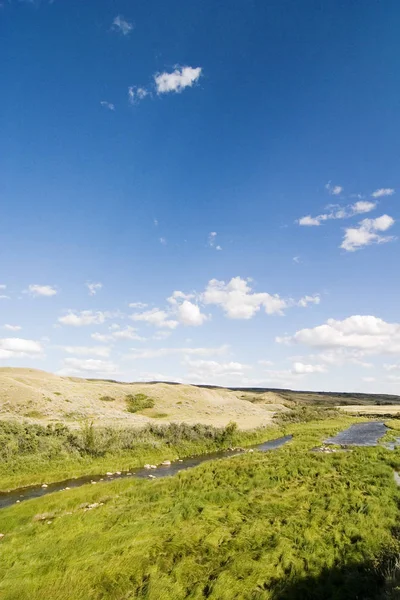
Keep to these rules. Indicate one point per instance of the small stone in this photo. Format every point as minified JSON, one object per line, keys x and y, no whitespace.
{"x":109,"y":474}
{"x":166,"y":463}
{"x":147,"y":467}
{"x":67,"y":488}
{"x":44,"y":485}
{"x":251,"y":450}
{"x":93,"y":482}
{"x":18,"y":501}
{"x":128,"y":474}
{"x":180,"y":460}
{"x":153,"y":466}
{"x":152,"y":477}
{"x":118,"y":472}
{"x":2,"y":535}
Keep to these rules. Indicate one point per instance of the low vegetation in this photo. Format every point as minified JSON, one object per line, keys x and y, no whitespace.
{"x":138,"y":402}
{"x":285,"y":525}
{"x":32,"y":454}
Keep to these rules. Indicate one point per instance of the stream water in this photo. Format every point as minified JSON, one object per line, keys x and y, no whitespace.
{"x":360,"y":434}
{"x":21,"y":494}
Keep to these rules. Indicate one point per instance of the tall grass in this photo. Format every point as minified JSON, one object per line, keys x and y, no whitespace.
{"x":284,"y":525}
{"x":32,"y":454}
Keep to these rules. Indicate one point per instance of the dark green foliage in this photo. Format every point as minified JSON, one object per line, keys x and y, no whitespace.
{"x":305,"y":414}
{"x":138,"y":402}
{"x":107,"y":398}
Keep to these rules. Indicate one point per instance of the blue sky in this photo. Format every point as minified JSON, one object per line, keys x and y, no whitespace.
{"x":227,"y":175}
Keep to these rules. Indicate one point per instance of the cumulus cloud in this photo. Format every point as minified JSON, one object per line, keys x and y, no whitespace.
{"x":190,"y":314}
{"x":84,"y":317}
{"x":20,"y":348}
{"x":335,"y":190}
{"x":178,"y":80}
{"x":156,"y":317}
{"x":337,"y":212}
{"x":108,"y":105}
{"x":365,"y":333}
{"x":122,"y":25}
{"x":238,"y":301}
{"x":383,"y":192}
{"x":12,"y":327}
{"x":41,"y":290}
{"x":366,"y":233}
{"x":90,"y":366}
{"x":103,"y":351}
{"x":160,"y":352}
{"x":128,"y":333}
{"x":300,"y":368}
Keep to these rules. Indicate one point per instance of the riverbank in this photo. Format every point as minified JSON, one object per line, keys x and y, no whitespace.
{"x":255,"y":526}
{"x":33,"y":454}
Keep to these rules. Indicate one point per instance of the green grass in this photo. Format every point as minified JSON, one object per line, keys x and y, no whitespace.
{"x":289,"y":524}
{"x":138,"y":402}
{"x":33,"y":454}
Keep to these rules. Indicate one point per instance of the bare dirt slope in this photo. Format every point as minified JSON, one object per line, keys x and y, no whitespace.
{"x":37,"y":396}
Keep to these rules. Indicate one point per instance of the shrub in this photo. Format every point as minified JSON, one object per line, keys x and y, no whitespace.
{"x":138,"y":402}
{"x":107,"y":398}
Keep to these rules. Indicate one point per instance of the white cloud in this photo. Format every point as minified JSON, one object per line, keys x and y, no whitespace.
{"x":129,"y":333}
{"x":77,"y":366}
{"x":3,"y":286}
{"x":12,"y":327}
{"x":369,"y":379}
{"x":108,"y":105}
{"x":365,"y":333}
{"x":160,"y":352}
{"x":41,"y":290}
{"x":238,"y":301}
{"x":365,"y":234}
{"x":265,"y":363}
{"x":306,"y":300}
{"x":178,"y":80}
{"x":101,"y":337}
{"x":122,"y":25}
{"x":163,"y":241}
{"x":346,"y":212}
{"x":335,"y":190}
{"x":212,"y":238}
{"x":207,"y":370}
{"x":136,"y":93}
{"x":190,"y":314}
{"x":383,"y":192}
{"x":4,"y":297}
{"x":156,"y":317}
{"x":391,"y":367}
{"x":19,"y":348}
{"x":296,"y":259}
{"x":300,"y":368}
{"x":137,"y":305}
{"x":93,"y":287}
{"x":84,"y":317}
{"x":103,"y":351}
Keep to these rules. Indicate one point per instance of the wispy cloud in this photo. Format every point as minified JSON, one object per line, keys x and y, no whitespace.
{"x":383,"y":192}
{"x":334,"y":190}
{"x":136,"y":93}
{"x":178,"y":80}
{"x":122,"y":25}
{"x":108,"y":105}
{"x":83,"y":318}
{"x":41,"y":290}
{"x":366,"y":233}
{"x":358,"y":208}
{"x":93,"y":287}
{"x":212,"y":240}
{"x":12,"y":327}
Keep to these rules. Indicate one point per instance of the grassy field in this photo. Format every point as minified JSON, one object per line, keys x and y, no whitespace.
{"x":283,"y":525}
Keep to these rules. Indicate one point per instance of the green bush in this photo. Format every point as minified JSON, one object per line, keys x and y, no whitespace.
{"x":138,"y":402}
{"x":107,"y":398}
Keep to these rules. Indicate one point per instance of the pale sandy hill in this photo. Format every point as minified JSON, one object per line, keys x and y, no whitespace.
{"x":37,"y":396}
